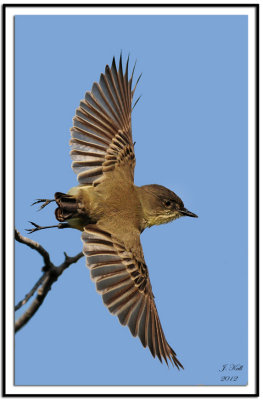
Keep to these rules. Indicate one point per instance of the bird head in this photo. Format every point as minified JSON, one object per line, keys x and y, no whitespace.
{"x":161,"y":205}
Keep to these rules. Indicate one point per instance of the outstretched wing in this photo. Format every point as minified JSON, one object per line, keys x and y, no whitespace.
{"x":123,"y":281}
{"x":101,"y":132}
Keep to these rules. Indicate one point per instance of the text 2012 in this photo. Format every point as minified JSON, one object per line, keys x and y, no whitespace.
{"x":229,"y":378}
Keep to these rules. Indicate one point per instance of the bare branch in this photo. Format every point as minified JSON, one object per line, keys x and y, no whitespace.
{"x":30,"y":294}
{"x":51,"y":274}
{"x":34,"y":245}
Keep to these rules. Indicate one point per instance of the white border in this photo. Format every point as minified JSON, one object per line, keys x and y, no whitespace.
{"x":74,"y":390}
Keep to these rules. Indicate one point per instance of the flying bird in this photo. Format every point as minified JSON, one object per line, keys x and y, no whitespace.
{"x":111,"y":211}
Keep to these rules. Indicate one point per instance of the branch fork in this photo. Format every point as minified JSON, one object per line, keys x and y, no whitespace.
{"x":50,"y":275}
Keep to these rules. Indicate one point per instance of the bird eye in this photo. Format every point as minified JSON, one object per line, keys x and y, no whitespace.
{"x":168,"y":203}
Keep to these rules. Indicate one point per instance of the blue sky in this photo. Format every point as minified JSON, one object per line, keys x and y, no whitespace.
{"x":190,"y":128}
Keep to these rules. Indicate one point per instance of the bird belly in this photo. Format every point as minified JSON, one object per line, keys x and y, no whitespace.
{"x":77,"y":223}
{"x":117,"y":205}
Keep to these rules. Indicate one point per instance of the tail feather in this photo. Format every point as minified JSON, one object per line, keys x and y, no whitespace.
{"x":67,"y":206}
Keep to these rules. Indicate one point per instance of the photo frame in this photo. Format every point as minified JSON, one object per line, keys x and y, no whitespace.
{"x":46,"y":73}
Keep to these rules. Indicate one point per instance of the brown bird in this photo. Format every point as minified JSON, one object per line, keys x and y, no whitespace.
{"x":111,"y":211}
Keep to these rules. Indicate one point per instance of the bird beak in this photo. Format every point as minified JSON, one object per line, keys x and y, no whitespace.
{"x":187,"y":213}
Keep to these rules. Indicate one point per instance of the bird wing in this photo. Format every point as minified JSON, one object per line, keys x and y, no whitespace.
{"x":122,"y":279}
{"x":101,"y":132}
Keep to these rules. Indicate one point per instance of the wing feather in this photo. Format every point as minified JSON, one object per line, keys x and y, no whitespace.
{"x":102,"y":124}
{"x":122,"y":279}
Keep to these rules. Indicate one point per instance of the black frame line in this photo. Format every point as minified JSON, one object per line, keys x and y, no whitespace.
{"x":179,"y":5}
{"x":253,"y":5}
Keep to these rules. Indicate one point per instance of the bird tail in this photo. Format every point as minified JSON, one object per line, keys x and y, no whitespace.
{"x":67,"y":206}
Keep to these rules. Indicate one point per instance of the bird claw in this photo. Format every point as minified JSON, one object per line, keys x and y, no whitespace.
{"x":45,"y":201}
{"x":37,"y":227}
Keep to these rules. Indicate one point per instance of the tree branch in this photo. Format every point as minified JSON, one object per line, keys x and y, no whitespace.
{"x":30,"y":294}
{"x":44,"y":283}
{"x":34,"y":245}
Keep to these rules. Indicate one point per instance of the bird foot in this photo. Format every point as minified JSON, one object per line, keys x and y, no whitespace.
{"x":45,"y":201}
{"x":39,"y":228}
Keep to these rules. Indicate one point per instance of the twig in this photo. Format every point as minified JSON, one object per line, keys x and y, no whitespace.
{"x":34,"y":245}
{"x":30,"y":294}
{"x":51,"y":274}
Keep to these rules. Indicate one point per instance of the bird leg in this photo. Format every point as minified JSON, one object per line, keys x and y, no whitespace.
{"x":45,"y":201}
{"x":38,"y":227}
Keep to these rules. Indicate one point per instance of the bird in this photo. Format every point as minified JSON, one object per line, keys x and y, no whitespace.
{"x":111,"y":211}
